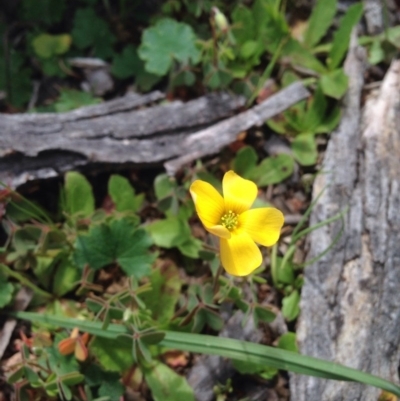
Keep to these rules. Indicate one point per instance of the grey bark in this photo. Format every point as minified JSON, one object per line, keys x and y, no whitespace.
{"x":351,"y":300}
{"x":212,"y":139}
{"x":36,"y":146}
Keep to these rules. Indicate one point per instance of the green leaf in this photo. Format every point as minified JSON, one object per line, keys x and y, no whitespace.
{"x":15,"y":78}
{"x":341,"y":37}
{"x":290,"y":306}
{"x":272,"y":170}
{"x":244,"y":161}
{"x":44,"y":11}
{"x":166,"y":385}
{"x":79,"y":197}
{"x":288,"y":341}
{"x":111,"y":388}
{"x":123,"y":194}
{"x":127,"y":63}
{"x":304,"y":149}
{"x":51,"y":68}
{"x":320,"y":20}
{"x":166,"y":41}
{"x":191,"y":247}
{"x":316,"y":111}
{"x":115,"y":356}
{"x":184,"y":78}
{"x":119,"y":241}
{"x":243,"y":27}
{"x":169,"y":232}
{"x":299,"y":55}
{"x":26,"y":238}
{"x":66,"y":277}
{"x":330,"y":122}
{"x":284,"y":274}
{"x":247,"y":368}
{"x":164,"y":186}
{"x":90,"y":30}
{"x":6,"y":291}
{"x":71,"y":99}
{"x":46,"y":45}
{"x":376,"y":53}
{"x":334,"y":83}
{"x":264,"y":314}
{"x":164,"y":293}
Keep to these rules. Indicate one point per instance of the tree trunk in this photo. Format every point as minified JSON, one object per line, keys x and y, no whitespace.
{"x":350,"y":306}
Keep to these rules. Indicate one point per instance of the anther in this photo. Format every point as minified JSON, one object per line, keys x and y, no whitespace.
{"x":229,"y":220}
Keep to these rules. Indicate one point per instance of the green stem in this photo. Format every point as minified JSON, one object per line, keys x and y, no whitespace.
{"x":268,"y":71}
{"x":26,"y":282}
{"x":216,"y":279}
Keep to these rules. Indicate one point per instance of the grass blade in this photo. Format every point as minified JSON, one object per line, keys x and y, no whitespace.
{"x":230,"y":348}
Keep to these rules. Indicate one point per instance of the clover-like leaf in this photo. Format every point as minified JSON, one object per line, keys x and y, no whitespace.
{"x":166,"y":41}
{"x":46,"y":45}
{"x":91,"y":30}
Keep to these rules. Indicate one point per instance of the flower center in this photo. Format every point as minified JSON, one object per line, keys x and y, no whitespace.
{"x":229,"y":220}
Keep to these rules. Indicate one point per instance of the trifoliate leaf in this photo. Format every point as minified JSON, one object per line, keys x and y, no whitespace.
{"x":164,"y":293}
{"x":127,"y":63}
{"x":166,"y":41}
{"x":90,"y":30}
{"x":305,"y":150}
{"x":115,"y":356}
{"x":46,"y":45}
{"x":244,"y":161}
{"x":272,"y":170}
{"x":334,"y":83}
{"x":119,"y":241}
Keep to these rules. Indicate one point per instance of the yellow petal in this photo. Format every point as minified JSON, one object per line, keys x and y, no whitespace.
{"x":239,"y":194}
{"x":239,"y":254}
{"x":263,"y":225}
{"x":219,"y":231}
{"x":208,"y":202}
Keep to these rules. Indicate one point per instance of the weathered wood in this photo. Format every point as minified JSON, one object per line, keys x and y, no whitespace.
{"x":43,"y":145}
{"x":212,"y":139}
{"x":351,"y":300}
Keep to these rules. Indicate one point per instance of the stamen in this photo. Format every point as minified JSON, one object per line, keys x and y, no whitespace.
{"x":229,"y":220}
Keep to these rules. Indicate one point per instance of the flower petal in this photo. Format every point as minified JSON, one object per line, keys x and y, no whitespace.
{"x":208,"y":202}
{"x":239,"y":254}
{"x":239,"y":194}
{"x":219,"y":231}
{"x":263,"y":225}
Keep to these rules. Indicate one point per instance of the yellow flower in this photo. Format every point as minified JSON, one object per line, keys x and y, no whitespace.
{"x":238,"y":227}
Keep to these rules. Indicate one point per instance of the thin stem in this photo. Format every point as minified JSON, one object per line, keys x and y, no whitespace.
{"x":268,"y":70}
{"x":26,"y":282}
{"x":216,"y":279}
